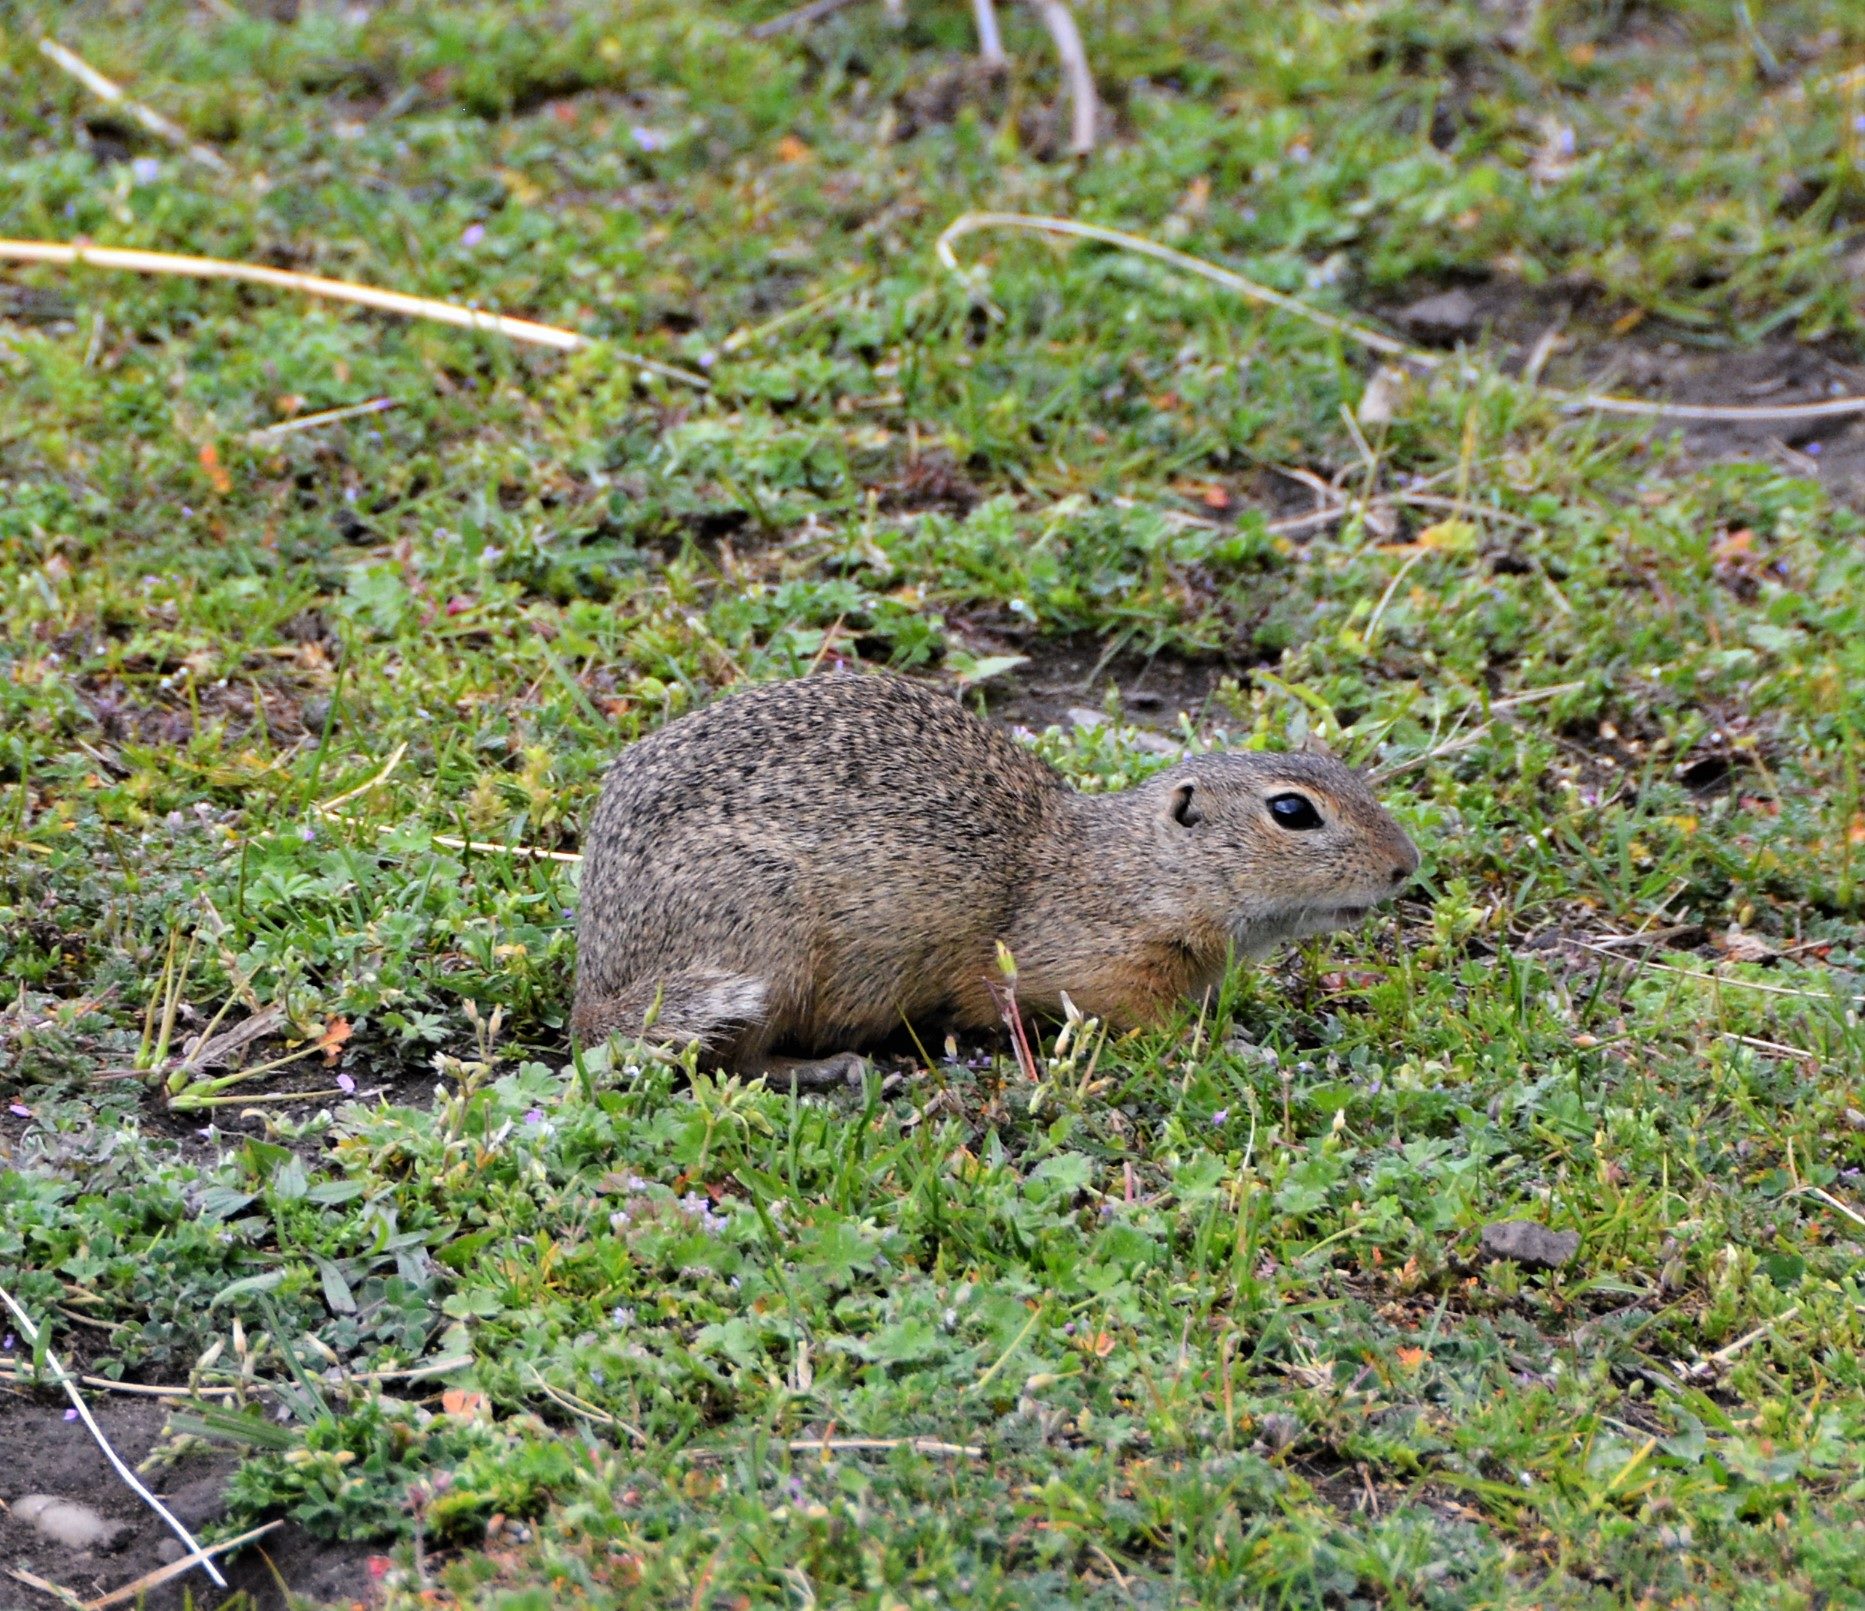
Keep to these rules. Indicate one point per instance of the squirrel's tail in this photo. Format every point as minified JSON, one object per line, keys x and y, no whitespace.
{"x":713,"y":1008}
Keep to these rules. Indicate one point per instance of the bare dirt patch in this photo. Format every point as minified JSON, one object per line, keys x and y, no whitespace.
{"x":1076,"y":674}
{"x":937,"y":100}
{"x":1660,"y":362}
{"x":48,"y":1455}
{"x":932,"y":480}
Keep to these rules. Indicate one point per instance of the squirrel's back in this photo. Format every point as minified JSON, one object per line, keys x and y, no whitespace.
{"x":802,"y":757}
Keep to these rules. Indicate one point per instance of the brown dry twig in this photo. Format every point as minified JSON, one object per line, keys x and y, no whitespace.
{"x":802,"y":17}
{"x":57,"y":1591}
{"x":73,"y":255}
{"x":1085,"y":104}
{"x":201,"y":1557}
{"x":1365,"y":336}
{"x":112,"y":94}
{"x":312,"y":422}
{"x":917,"y":1445}
{"x":990,"y":41}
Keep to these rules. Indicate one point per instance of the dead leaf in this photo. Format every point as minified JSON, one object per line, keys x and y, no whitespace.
{"x":1740,"y":946}
{"x":791,"y":149}
{"x":330,"y":1043}
{"x":1450,"y":536}
{"x":216,"y":471}
{"x":1379,"y":403}
{"x":219,"y":1051}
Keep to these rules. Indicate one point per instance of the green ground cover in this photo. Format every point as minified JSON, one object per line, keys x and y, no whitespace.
{"x":1204,"y":1312}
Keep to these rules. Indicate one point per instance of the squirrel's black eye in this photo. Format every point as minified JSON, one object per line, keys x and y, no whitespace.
{"x":1295,"y":812}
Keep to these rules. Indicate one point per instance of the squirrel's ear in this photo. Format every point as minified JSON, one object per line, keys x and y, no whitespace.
{"x":1183,"y":806}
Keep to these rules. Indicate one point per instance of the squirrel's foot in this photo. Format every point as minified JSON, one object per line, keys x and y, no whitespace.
{"x":842,"y":1072}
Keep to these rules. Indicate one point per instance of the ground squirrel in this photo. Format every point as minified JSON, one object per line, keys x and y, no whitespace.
{"x":809,"y":865}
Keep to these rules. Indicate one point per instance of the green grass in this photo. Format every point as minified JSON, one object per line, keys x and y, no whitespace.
{"x":1209,"y":1301}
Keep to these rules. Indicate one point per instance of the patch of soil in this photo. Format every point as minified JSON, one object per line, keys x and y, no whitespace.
{"x":46,"y":1454}
{"x":939,"y":98}
{"x":1653,"y":364}
{"x":33,"y":305}
{"x":378,"y":1071}
{"x":1655,"y":361}
{"x":139,"y":711}
{"x":1074,"y":674}
{"x":933,"y":480}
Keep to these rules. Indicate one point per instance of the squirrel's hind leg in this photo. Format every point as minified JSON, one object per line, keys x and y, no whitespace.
{"x":841,"y":1072}
{"x":722,"y":1011}
{"x":729,"y":1014}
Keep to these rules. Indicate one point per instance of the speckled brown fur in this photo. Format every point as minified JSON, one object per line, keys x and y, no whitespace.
{"x":808,"y":865}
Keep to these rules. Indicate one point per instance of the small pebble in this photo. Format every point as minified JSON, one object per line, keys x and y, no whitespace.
{"x":1530,"y":1245}
{"x":67,"y":1522}
{"x":1443,"y":317}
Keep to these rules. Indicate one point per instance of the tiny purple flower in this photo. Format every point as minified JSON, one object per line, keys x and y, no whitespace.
{"x":1858,"y":123}
{"x":145,"y":170}
{"x":472,"y":235}
{"x":346,"y":1085}
{"x":19,"y":1110}
{"x":1813,"y":450}
{"x":648,"y":139}
{"x":71,"y":1415}
{"x":8,"y":1343}
{"x":308,"y":833}
{"x":1222,"y":1116}
{"x":535,"y":1116}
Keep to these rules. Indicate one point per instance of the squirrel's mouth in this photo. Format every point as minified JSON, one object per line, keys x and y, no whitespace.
{"x":1258,"y":937}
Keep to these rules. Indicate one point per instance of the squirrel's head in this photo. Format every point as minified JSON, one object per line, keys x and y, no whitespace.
{"x":1276,"y":847}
